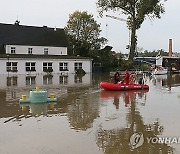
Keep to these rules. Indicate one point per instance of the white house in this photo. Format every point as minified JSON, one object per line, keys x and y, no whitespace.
{"x":37,"y":50}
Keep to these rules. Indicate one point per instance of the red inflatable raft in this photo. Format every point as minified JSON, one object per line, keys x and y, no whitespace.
{"x":121,"y":86}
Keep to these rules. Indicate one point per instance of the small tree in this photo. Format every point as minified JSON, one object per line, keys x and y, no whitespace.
{"x":83,"y":33}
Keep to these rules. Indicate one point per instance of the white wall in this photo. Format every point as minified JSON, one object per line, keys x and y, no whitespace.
{"x":86,"y":65}
{"x":37,"y":50}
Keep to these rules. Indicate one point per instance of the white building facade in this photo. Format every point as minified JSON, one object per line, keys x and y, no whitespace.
{"x":37,"y":50}
{"x":20,"y":65}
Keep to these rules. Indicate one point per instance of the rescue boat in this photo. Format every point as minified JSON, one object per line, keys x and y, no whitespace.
{"x":122,"y":87}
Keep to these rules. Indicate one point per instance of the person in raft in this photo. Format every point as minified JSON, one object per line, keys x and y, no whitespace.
{"x":132,"y":78}
{"x":126,"y":77}
{"x":116,"y":77}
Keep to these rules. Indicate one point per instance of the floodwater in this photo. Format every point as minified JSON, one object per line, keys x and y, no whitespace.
{"x":88,"y":120}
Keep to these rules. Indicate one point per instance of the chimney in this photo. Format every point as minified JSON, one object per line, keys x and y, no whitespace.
{"x":170,"y":47}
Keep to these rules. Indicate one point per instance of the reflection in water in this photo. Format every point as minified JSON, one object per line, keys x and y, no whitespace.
{"x":37,"y":109}
{"x":117,"y":140}
{"x":44,"y":80}
{"x":82,"y":107}
{"x":168,"y":80}
{"x":28,"y":110}
{"x":63,"y":79}
{"x":80,"y":116}
{"x":77,"y":79}
{"x":12,"y":81}
{"x":47,"y":79}
{"x":30,"y":80}
{"x":125,"y":95}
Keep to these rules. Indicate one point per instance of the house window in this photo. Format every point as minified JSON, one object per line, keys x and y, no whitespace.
{"x":77,"y":79}
{"x":63,"y":79}
{"x":47,"y":79}
{"x":11,"y":66}
{"x":30,"y":50}
{"x":77,"y":66}
{"x":47,"y":67}
{"x":63,"y":66}
{"x":13,"y":50}
{"x":30,"y":80}
{"x":12,"y":81}
{"x":45,"y":51}
{"x":30,"y":66}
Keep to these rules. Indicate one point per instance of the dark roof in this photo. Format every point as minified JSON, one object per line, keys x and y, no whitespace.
{"x":14,"y":34}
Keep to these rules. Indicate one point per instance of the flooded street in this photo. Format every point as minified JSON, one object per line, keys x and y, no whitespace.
{"x":88,"y":120}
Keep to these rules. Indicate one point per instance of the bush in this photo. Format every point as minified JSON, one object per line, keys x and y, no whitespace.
{"x":80,"y":71}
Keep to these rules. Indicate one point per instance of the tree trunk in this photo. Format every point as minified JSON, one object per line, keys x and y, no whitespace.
{"x":133,"y":38}
{"x":133,"y":44}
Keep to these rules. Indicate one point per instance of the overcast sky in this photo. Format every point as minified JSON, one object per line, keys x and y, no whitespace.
{"x":153,"y":35}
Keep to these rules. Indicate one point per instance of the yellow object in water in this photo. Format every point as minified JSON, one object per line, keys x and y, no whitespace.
{"x":23,"y":97}
{"x":52,"y":96}
{"x":37,"y":88}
